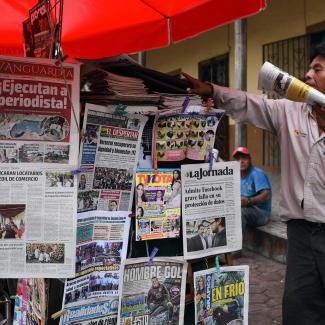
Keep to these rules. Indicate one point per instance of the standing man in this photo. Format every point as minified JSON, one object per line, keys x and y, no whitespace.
{"x":301,"y":132}
{"x":198,"y":242}
{"x":218,"y":228}
{"x":255,"y":191}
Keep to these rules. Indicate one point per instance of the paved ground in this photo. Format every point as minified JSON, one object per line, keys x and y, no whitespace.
{"x":266,"y":288}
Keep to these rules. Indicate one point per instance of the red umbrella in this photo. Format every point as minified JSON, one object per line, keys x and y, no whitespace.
{"x":101,"y":28}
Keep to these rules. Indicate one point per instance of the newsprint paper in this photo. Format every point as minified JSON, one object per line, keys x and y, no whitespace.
{"x":222,"y":299}
{"x":39,"y":112}
{"x":37,"y":222}
{"x":109,"y":155}
{"x":102,"y":239}
{"x":211,"y":209}
{"x":153,"y":294}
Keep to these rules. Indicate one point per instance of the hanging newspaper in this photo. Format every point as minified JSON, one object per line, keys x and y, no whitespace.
{"x":186,"y":136}
{"x":37,"y":222}
{"x":153,"y":293}
{"x":30,"y":302}
{"x":102,"y":239}
{"x":42,"y":30}
{"x":222,"y":298}
{"x":158,"y":203}
{"x":211,"y":209}
{"x":109,"y":155}
{"x":37,"y":121}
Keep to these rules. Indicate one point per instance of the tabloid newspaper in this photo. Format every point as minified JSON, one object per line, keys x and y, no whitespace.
{"x":37,"y":124}
{"x":109,"y":156}
{"x":102,"y":239}
{"x":181,"y":136}
{"x":222,"y":298}
{"x":158,"y":203}
{"x":153,"y":294}
{"x":42,"y":30}
{"x":30,"y":302}
{"x":211,"y":209}
{"x":37,"y":222}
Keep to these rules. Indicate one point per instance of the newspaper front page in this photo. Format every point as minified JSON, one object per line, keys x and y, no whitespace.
{"x":37,"y":222}
{"x":211,"y":209}
{"x":109,"y":156}
{"x":222,"y":298}
{"x":158,"y":203}
{"x":37,"y":123}
{"x":153,"y":294}
{"x":102,"y":239}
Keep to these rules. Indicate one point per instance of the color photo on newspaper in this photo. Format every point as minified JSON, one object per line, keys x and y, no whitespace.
{"x":153,"y":294}
{"x":222,"y":298}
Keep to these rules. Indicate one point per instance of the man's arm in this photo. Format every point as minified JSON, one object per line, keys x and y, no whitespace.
{"x":261,"y":197}
{"x":263,"y":113}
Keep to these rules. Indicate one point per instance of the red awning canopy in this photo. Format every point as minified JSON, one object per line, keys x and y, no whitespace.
{"x":101,"y":28}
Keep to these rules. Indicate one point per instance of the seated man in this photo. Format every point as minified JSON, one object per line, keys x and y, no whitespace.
{"x":255,"y":190}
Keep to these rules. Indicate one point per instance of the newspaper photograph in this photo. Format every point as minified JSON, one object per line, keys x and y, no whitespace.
{"x":30,"y":302}
{"x":153,"y":294}
{"x":102,"y":239}
{"x":158,"y":203}
{"x":222,"y":299}
{"x":37,"y":222}
{"x":109,"y":155}
{"x":186,"y":136}
{"x":211,"y":209}
{"x":39,"y":124}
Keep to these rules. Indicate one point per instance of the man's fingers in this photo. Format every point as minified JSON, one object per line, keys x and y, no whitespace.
{"x":188,"y":77}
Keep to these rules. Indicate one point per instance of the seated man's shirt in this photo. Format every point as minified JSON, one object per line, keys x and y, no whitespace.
{"x":253,"y":183}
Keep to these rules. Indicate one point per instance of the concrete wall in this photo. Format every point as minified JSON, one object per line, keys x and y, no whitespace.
{"x":282,"y":19}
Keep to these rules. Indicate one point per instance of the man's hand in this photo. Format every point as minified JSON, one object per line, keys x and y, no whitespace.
{"x":245,"y":201}
{"x":198,"y":87}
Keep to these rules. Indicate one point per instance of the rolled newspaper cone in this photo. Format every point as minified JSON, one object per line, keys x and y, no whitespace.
{"x":275,"y":80}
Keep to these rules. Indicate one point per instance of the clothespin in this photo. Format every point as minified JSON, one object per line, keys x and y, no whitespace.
{"x":120,"y":109}
{"x":59,"y":314}
{"x":152,"y":255}
{"x":14,"y":297}
{"x":61,"y":59}
{"x":217,"y":266}
{"x":131,"y":215}
{"x":210,"y":159}
{"x":185,"y":104}
{"x":79,"y":171}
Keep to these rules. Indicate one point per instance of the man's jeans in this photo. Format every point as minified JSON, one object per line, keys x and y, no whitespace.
{"x":304,"y":295}
{"x":252,"y":216}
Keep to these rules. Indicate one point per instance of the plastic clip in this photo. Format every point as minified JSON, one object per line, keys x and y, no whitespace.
{"x":152,"y":255}
{"x":218,"y":272}
{"x":185,"y":104}
{"x":79,"y":171}
{"x":120,"y":109}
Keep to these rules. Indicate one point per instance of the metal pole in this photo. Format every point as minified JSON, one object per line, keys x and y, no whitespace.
{"x":142,"y":58}
{"x":241,"y":74}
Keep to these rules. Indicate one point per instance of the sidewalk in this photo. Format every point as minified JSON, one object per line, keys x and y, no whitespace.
{"x":266,"y":288}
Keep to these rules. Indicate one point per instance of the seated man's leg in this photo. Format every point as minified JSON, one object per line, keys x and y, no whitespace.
{"x":253,"y":217}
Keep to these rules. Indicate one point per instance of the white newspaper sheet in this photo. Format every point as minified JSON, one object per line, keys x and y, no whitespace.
{"x":222,"y":298}
{"x":37,"y":222}
{"x":102,"y":239}
{"x":153,"y":294}
{"x":211,"y":209}
{"x":39,"y":112}
{"x":109,"y":155}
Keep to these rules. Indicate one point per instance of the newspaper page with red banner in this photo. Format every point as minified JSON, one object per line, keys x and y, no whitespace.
{"x":109,"y":155}
{"x":39,"y":112}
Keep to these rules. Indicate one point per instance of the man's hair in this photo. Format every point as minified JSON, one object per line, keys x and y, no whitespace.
{"x":113,"y":201}
{"x":200,"y":225}
{"x":317,"y":50}
{"x":223,"y":221}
